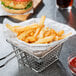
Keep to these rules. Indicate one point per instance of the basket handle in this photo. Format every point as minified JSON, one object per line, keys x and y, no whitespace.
{"x":2,"y":65}
{"x":7,"y":61}
{"x":8,"y":55}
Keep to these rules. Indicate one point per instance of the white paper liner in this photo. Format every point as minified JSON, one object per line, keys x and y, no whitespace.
{"x":36,"y":48}
{"x":4,"y":13}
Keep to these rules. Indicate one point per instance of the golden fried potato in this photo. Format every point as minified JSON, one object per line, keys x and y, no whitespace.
{"x":42,"y":20}
{"x":45,"y":40}
{"x":63,"y":36}
{"x":31,"y":39}
{"x":10,"y":27}
{"x":61,"y":32}
{"x":37,"y":33}
{"x":26,"y":28}
{"x":41,"y":34}
{"x":24,"y":34}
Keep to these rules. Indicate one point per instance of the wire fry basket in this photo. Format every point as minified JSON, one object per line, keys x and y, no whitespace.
{"x":38,"y":64}
{"x":28,"y":54}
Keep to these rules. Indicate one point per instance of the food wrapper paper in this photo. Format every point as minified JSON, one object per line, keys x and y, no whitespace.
{"x":4,"y":13}
{"x":37,"y":49}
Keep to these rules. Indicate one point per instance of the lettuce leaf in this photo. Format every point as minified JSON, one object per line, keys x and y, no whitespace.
{"x":28,"y":6}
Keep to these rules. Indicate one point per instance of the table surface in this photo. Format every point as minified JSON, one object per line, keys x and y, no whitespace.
{"x":60,"y":68}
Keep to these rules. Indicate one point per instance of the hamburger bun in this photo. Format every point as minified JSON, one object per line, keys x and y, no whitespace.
{"x":13,"y":11}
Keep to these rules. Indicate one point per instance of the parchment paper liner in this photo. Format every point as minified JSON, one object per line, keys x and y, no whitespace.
{"x":36,"y":49}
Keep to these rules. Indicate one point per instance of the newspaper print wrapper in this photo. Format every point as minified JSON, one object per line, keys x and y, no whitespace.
{"x":37,"y":49}
{"x":4,"y":13}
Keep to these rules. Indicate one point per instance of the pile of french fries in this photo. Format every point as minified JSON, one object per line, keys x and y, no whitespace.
{"x":37,"y":33}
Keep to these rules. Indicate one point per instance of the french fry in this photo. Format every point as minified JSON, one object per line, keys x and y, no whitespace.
{"x":10,"y":27}
{"x":47,"y":33}
{"x":24,"y":34}
{"x":26,"y":40}
{"x":34,"y":38}
{"x":41,"y":34}
{"x":16,"y":26}
{"x":41,"y":26}
{"x":56,"y":38}
{"x":42,"y":20}
{"x":26,"y":28}
{"x":38,"y":30}
{"x":50,"y":32}
{"x":60,"y":32}
{"x":18,"y":34}
{"x":45,"y":40}
{"x":31,"y":39}
{"x":47,"y":28}
{"x":32,"y":33}
{"x":53,"y":31}
{"x":63,"y":36}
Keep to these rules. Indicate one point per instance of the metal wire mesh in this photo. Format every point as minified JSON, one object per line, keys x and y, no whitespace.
{"x":38,"y":64}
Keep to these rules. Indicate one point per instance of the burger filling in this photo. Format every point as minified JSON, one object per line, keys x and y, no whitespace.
{"x":16,"y":5}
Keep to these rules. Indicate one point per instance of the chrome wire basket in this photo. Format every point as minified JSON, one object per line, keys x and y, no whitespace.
{"x":34,"y":62}
{"x":38,"y":64}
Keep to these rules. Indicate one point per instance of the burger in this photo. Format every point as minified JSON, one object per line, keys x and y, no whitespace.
{"x":17,"y":6}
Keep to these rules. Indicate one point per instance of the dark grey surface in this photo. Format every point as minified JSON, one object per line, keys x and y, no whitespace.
{"x":60,"y":68}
